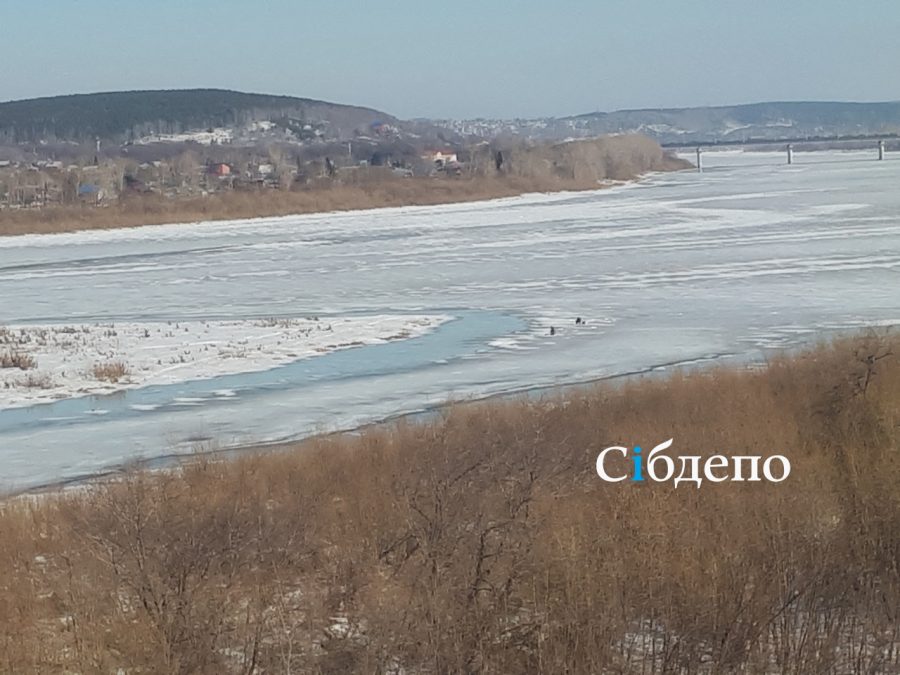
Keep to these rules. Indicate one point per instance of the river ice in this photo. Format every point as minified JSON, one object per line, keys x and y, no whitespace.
{"x":749,"y":256}
{"x":69,"y":359}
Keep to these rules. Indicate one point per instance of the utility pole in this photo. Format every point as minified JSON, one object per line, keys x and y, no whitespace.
{"x":699,"y":160}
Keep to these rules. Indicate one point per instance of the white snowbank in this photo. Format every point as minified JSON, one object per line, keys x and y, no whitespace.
{"x":66,"y":356}
{"x":215,"y":136}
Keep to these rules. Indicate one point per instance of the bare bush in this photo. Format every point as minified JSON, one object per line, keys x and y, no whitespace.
{"x":109,"y":371}
{"x":483,"y":541}
{"x":18,"y":360}
{"x":33,"y":381}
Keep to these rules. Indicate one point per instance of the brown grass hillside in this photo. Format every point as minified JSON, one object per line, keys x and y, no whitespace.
{"x":483,"y":542}
{"x":578,"y":165}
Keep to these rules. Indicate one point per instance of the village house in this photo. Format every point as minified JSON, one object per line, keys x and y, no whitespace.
{"x":90,"y":193}
{"x":219,"y":170}
{"x":440,"y":158}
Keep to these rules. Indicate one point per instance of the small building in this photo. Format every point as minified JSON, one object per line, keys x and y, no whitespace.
{"x":90,"y":192}
{"x":440,"y":158}
{"x":220,"y":169}
{"x":380,"y":128}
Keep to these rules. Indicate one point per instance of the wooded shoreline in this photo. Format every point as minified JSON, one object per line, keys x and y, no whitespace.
{"x":578,"y":165}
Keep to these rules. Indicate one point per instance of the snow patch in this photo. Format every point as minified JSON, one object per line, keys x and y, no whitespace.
{"x":66,"y":357}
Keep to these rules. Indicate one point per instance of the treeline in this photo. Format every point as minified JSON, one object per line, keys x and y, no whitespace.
{"x":484,"y":542}
{"x":487,"y":171}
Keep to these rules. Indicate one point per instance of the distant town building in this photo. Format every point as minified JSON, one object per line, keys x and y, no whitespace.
{"x":383,"y":129}
{"x":219,"y":169}
{"x":90,"y":192}
{"x":440,"y":158}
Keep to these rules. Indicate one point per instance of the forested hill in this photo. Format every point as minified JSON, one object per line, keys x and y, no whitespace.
{"x":127,"y":115}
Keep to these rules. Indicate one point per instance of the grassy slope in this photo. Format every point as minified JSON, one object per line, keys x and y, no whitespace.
{"x":484,"y":542}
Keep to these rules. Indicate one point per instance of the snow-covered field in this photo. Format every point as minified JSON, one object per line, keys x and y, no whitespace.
{"x":100,"y":358}
{"x":747,"y":257}
{"x":214,"y":136}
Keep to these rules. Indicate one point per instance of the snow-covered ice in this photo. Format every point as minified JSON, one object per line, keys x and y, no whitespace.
{"x":750,"y":255}
{"x":67,"y":357}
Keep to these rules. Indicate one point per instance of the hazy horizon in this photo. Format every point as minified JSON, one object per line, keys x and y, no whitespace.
{"x":468,"y":60}
{"x":472,"y":117}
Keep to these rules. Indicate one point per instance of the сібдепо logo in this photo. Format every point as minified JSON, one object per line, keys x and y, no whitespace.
{"x":660,"y":467}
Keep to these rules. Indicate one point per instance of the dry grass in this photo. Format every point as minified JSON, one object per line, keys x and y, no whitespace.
{"x":18,"y":360}
{"x":109,"y":371}
{"x":484,"y":542}
{"x":570,"y":166}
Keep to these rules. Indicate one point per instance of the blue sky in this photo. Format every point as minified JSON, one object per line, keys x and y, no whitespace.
{"x":461,"y":58}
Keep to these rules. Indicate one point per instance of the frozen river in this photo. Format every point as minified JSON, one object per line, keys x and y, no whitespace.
{"x":749,"y":256}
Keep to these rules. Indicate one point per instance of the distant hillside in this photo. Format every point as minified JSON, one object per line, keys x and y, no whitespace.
{"x":130,"y":115}
{"x":216,"y":116}
{"x":738,"y":123}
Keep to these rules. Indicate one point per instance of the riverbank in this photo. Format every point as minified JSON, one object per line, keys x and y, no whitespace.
{"x":44,"y":363}
{"x":485,"y":536}
{"x":579,"y":165}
